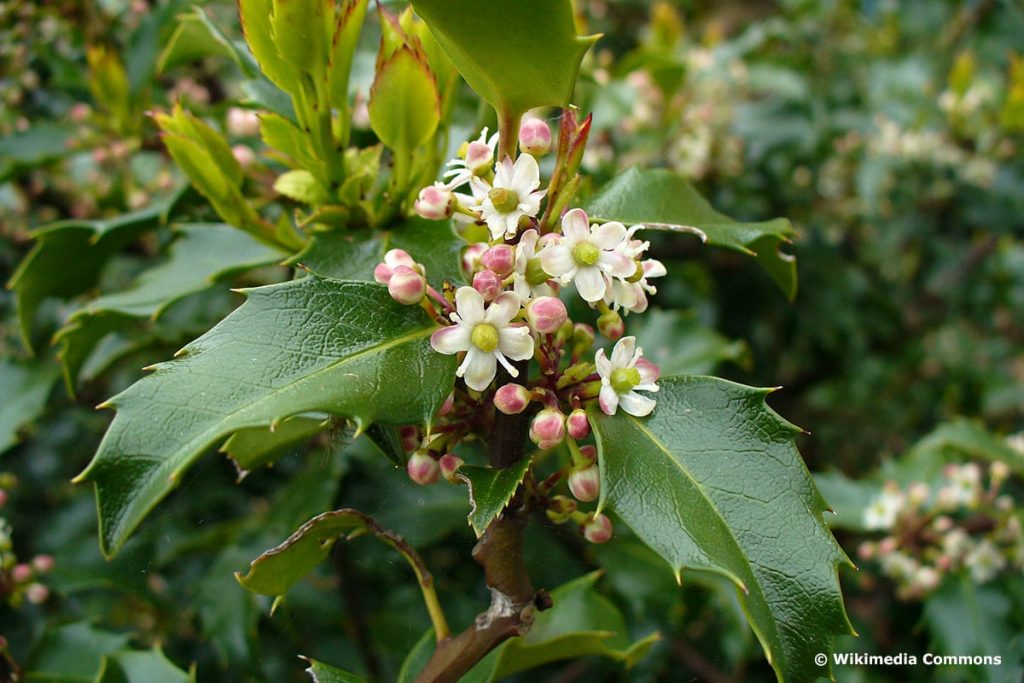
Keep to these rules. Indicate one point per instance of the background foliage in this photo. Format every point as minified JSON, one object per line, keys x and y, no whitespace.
{"x":889,"y":133}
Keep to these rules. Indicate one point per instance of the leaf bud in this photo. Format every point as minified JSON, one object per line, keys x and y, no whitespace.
{"x":450,"y":464}
{"x":435,"y":202}
{"x":422,"y":468}
{"x":407,"y":286}
{"x":578,"y":424}
{"x":585,"y":483}
{"x":548,"y":428}
{"x":488,"y":283}
{"x":512,"y":399}
{"x":535,"y":137}
{"x":501,"y":258}
{"x":610,"y":325}
{"x":546,"y":314}
{"x":597,"y":529}
{"x":560,"y":509}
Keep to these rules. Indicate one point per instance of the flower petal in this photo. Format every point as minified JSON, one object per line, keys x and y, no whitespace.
{"x":604,"y":366}
{"x":609,"y":235}
{"x":608,"y":400}
{"x":557,"y":260}
{"x":576,"y":225}
{"x":623,"y":352}
{"x":478,"y":369}
{"x":504,"y":172}
{"x":502,"y":309}
{"x":451,"y":339}
{"x":470,"y":305}
{"x":516,"y":342}
{"x":637,"y":405}
{"x":525,"y":175}
{"x":590,"y":283}
{"x":649,"y":372}
{"x":654,"y":268}
{"x":616,"y":263}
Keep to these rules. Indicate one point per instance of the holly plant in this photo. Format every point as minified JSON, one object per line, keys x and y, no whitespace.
{"x":469,"y":318}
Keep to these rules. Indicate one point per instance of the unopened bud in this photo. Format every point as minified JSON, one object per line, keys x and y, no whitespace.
{"x":546,"y":314}
{"x":407,"y":286}
{"x":450,"y":464}
{"x":999,"y":471}
{"x":422,"y":468}
{"x":585,"y":483}
{"x":21,"y":573}
{"x":512,"y":399}
{"x":488,"y":283}
{"x":479,"y":157}
{"x":471,"y":257}
{"x":37,"y":593}
{"x":501,"y":258}
{"x":578,"y":424}
{"x":435,"y":202}
{"x":610,"y":325}
{"x":597,"y":529}
{"x":42,"y":563}
{"x":410,"y":437}
{"x":243,"y":155}
{"x":243,"y":122}
{"x":548,"y":428}
{"x":535,"y":137}
{"x":582,"y":338}
{"x":560,"y":509}
{"x":589,"y":452}
{"x":392,"y":259}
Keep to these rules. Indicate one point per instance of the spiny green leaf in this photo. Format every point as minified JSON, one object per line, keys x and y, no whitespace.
{"x":490,"y":490}
{"x":712,"y":481}
{"x":256,"y":16}
{"x":149,"y":666}
{"x":299,"y":31}
{"x":72,"y":653}
{"x":197,"y":37}
{"x":662,"y":200}
{"x":311,"y":345}
{"x":43,"y":142}
{"x":325,"y":673}
{"x":26,"y":387}
{"x":277,"y":570}
{"x":516,"y":54}
{"x":259,"y":446}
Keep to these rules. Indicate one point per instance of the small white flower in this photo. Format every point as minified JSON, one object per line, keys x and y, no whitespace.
{"x":475,"y":160}
{"x":884,"y":509}
{"x":529,"y":278}
{"x":485,"y":335}
{"x":622,"y":376}
{"x":513,"y":194}
{"x":984,"y":561}
{"x":589,"y":255}
{"x":631,"y":297}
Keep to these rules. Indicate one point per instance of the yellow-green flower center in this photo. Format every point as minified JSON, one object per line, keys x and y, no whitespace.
{"x":535,"y":273}
{"x":586,"y":253}
{"x":505,"y":201}
{"x":623,"y":379}
{"x":485,"y":338}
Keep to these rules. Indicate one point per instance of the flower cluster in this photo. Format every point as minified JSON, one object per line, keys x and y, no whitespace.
{"x":529,"y":249}
{"x":963,"y":525}
{"x":19,"y":581}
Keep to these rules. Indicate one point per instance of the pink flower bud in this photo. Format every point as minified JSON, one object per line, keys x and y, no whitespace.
{"x":243,"y":155}
{"x":597,"y":529}
{"x":392,"y":259}
{"x":546,"y":314}
{"x":589,"y":452}
{"x":471,"y":257}
{"x":42,"y":563}
{"x":410,"y":436}
{"x":535,"y":137}
{"x":447,"y":406}
{"x":422,"y":468}
{"x":479,"y":157}
{"x":548,"y":428}
{"x":37,"y":593}
{"x":21,"y":573}
{"x":501,"y":258}
{"x":578,"y":424}
{"x":435,"y":202}
{"x":560,"y":509}
{"x":450,"y":464}
{"x":585,"y":483}
{"x":610,"y":325}
{"x":243,"y":122}
{"x":406,"y":286}
{"x":488,"y":283}
{"x":866,"y":550}
{"x":512,"y":399}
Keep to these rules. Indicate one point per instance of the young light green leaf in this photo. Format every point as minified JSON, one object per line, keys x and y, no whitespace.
{"x":277,"y":570}
{"x":301,"y":186}
{"x":256,"y":16}
{"x":299,"y":31}
{"x":712,"y":481}
{"x":404,"y":107}
{"x":490,"y":490}
{"x":662,"y":200}
{"x":310,"y":345}
{"x":197,"y":37}
{"x":516,"y":54}
{"x":325,"y":673}
{"x":26,"y":387}
{"x":347,"y":27}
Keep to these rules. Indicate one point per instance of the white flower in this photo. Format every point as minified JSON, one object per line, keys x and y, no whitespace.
{"x":631,"y":297}
{"x":622,"y":376}
{"x":884,"y":509}
{"x":513,"y":194}
{"x":485,"y":336}
{"x":984,"y":561}
{"x":529,"y":279}
{"x":475,"y":160}
{"x":589,"y":255}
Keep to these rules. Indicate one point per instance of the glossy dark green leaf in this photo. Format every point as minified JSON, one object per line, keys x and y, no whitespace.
{"x":259,"y":446}
{"x":33,"y":147}
{"x":325,"y":673}
{"x":516,"y":54}
{"x":311,"y":345}
{"x":712,"y":481}
{"x":490,"y":490}
{"x":69,"y":255}
{"x":150,"y":666}
{"x":581,"y":623}
{"x":72,"y":653}
{"x":277,"y":570}
{"x":203,"y":254}
{"x":662,"y":200}
{"x":26,"y":387}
